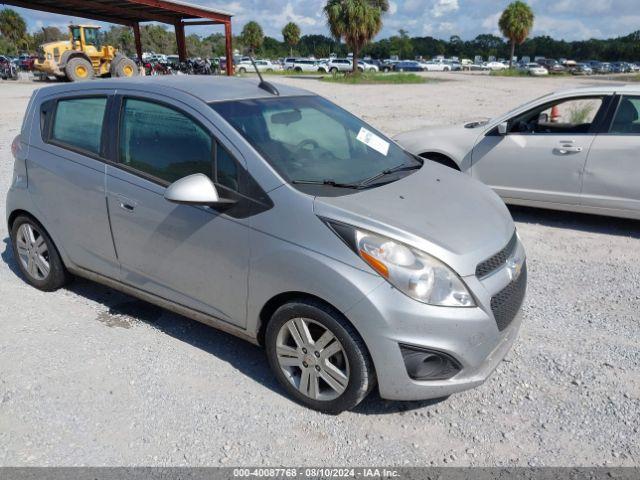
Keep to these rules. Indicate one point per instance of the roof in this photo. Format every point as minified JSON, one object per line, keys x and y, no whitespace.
{"x":126,"y":12}
{"x":206,"y":88}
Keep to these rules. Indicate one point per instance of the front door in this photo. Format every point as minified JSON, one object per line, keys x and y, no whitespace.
{"x":542,"y":156}
{"x":612,"y":173}
{"x":194,"y":256}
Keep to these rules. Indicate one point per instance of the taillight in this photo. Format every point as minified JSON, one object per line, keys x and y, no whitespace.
{"x":15,"y":146}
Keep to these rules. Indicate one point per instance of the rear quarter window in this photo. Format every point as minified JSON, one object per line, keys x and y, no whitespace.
{"x":77,"y":123}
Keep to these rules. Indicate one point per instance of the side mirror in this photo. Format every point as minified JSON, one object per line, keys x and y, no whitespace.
{"x":196,"y":189}
{"x":502,"y":128}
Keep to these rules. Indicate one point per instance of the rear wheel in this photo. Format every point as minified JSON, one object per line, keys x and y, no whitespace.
{"x":318,"y":357}
{"x":79,"y":69}
{"x":36,"y":255}
{"x":242,"y":70}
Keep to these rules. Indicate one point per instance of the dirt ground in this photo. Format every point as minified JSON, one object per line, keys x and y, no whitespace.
{"x":89,"y":376}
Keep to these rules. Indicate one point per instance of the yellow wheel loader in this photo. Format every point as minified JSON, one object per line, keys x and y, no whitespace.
{"x":82,"y":57}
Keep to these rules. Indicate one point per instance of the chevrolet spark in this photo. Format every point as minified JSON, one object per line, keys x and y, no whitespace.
{"x":272,"y":214}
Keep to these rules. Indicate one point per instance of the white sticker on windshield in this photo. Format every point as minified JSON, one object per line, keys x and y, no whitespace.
{"x":372,"y":140}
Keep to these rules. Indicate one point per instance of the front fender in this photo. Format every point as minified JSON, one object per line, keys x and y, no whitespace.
{"x":283,"y":267}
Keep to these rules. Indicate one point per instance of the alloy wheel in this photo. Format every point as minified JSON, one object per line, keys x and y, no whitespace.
{"x":33,"y":252}
{"x":312,"y":359}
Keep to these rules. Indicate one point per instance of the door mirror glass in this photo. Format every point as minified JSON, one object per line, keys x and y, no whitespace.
{"x":543,"y":118}
{"x":502,"y":128}
{"x":196,"y":189}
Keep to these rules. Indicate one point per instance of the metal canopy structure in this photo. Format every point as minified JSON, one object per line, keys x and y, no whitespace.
{"x":132,"y":12}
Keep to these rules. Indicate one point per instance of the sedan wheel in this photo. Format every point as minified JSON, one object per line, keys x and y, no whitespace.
{"x":318,"y":367}
{"x":318,"y":357}
{"x":33,"y":252}
{"x":36,"y":255}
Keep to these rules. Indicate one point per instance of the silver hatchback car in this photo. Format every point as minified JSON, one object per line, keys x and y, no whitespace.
{"x":275,"y":215}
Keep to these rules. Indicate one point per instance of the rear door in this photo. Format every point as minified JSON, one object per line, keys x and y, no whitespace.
{"x":543,"y":154}
{"x":66,"y":168}
{"x":612,"y":173}
{"x":191,"y":255}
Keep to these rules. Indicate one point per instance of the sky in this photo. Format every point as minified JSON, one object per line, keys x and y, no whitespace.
{"x":561,"y":19}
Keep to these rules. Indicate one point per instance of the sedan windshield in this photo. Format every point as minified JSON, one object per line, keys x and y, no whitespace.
{"x":309,"y":140}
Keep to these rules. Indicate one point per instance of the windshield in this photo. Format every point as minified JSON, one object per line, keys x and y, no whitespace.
{"x":309,"y":139}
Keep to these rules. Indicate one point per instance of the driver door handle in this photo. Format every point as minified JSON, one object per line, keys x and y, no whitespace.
{"x":567,"y":149}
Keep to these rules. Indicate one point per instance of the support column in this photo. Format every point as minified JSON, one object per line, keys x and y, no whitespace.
{"x":228,"y":47}
{"x":136,"y":36}
{"x":180,"y":40}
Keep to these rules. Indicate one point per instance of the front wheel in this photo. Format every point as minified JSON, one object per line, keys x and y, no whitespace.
{"x":318,"y":357}
{"x":36,"y":255}
{"x":79,"y":69}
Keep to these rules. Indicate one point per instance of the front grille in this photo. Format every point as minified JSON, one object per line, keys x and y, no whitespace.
{"x":492,"y":264}
{"x":506,"y":303}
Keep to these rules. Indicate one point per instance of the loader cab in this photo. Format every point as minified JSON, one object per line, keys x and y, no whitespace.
{"x":85,"y":35}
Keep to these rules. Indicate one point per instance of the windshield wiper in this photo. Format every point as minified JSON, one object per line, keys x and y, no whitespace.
{"x":389,"y":171}
{"x":329,"y":182}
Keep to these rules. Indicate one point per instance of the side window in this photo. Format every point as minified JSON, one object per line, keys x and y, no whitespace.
{"x":78,"y":123}
{"x":226,"y":169}
{"x":574,"y":115}
{"x":163,"y":142}
{"x":626,"y":119}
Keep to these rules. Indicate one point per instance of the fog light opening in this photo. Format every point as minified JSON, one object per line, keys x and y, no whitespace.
{"x":424,"y":364}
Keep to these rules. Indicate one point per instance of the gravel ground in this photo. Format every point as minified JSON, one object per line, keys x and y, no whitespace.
{"x":89,"y":376}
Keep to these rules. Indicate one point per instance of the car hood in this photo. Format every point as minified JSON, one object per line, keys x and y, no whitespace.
{"x":455,"y":141}
{"x":436,"y":209}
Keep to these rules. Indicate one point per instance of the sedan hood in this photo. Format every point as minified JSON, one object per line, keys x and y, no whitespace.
{"x":436,"y":209}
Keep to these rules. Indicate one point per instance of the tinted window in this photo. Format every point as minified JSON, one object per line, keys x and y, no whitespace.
{"x":627,"y":117}
{"x":78,"y":123}
{"x":226,"y":169}
{"x":163,"y":142}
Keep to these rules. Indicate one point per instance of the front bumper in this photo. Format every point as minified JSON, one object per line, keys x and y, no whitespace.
{"x":387,"y":318}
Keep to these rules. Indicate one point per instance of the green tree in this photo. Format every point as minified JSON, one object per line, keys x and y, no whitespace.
{"x":13,"y":28}
{"x":252,"y":36}
{"x":291,"y":35}
{"x":515,"y":24}
{"x":356,"y":22}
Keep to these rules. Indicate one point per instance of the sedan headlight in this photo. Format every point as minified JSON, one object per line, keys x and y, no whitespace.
{"x":412,"y":271}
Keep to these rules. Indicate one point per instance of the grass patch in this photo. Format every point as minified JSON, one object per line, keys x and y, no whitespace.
{"x":376,"y":78}
{"x":509,"y":73}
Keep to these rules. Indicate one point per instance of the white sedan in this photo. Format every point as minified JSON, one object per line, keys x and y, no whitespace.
{"x":575,"y":150}
{"x":535,"y":69}
{"x":435,"y":67}
{"x":495,"y":66}
{"x":262,"y":65}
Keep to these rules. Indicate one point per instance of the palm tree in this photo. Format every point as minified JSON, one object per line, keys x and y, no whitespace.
{"x":515,"y":23}
{"x":355,"y":21}
{"x":13,"y":27}
{"x":252,"y":36}
{"x":291,"y":34}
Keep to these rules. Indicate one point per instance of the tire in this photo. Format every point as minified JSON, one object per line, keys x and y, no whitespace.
{"x":242,"y":70}
{"x":333,"y":70}
{"x":126,"y":68}
{"x":57,"y":275}
{"x":352,"y":357}
{"x":79,"y":69}
{"x":297,"y":69}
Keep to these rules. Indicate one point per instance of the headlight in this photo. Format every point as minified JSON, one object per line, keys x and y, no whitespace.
{"x":413,"y":272}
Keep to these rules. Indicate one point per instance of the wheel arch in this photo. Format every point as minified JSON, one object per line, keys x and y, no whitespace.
{"x":441,"y":158}
{"x":275,"y":302}
{"x":69,"y":54}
